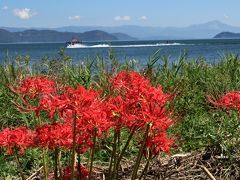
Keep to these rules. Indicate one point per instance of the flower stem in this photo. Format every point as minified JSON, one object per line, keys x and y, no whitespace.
{"x":56,"y":151}
{"x":44,"y":158}
{"x":19,"y":165}
{"x":140,"y":153}
{"x":74,"y":147}
{"x":115,"y":170}
{"x":45,"y":168}
{"x":125,"y":146}
{"x":112,"y":156}
{"x":144,"y":172}
{"x":59,"y":165}
{"x":79,"y":165}
{"x":92,"y":153}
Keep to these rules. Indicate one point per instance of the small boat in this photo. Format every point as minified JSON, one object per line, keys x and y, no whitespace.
{"x":74,"y":43}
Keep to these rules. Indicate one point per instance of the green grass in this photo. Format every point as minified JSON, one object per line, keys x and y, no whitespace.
{"x":198,"y":124}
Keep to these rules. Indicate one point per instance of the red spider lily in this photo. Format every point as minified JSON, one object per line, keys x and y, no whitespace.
{"x":141,"y":103}
{"x":128,"y":80}
{"x":18,"y":138}
{"x":31,"y":89}
{"x":138,"y":105}
{"x":60,"y":136}
{"x":157,"y":143}
{"x":115,"y":108}
{"x":56,"y":135}
{"x":230,"y":100}
{"x":35,"y":85}
{"x":53,"y":104}
{"x":89,"y":110}
{"x":67,"y":171}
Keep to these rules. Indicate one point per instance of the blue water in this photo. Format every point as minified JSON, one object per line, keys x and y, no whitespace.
{"x":210,"y":49}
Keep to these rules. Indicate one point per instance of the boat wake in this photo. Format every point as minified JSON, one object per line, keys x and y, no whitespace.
{"x":125,"y":46}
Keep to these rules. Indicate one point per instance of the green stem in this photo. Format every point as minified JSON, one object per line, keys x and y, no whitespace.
{"x":112,"y":156}
{"x":92,"y":153}
{"x":140,"y":153}
{"x":74,"y":147}
{"x":125,"y":146}
{"x":144,"y":172}
{"x":79,"y":165}
{"x":115,"y":170}
{"x":146,"y":169}
{"x":59,"y":165}
{"x":56,"y":164}
{"x":45,"y":167}
{"x":19,"y":165}
{"x":110,"y":166}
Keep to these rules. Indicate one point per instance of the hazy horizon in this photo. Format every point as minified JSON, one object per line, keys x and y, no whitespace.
{"x":42,"y":27}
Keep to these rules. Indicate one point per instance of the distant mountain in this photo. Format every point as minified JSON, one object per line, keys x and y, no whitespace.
{"x":124,"y":37}
{"x":53,"y":36}
{"x":15,"y":29}
{"x":6,"y":36}
{"x":226,"y":35}
{"x":196,"y":31}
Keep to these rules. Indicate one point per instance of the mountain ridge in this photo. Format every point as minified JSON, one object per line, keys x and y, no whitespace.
{"x":34,"y":35}
{"x":227,"y":35}
{"x":195,"y":31}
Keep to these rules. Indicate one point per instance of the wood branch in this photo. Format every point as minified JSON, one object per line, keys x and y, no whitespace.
{"x":207,"y":172}
{"x":34,"y":174}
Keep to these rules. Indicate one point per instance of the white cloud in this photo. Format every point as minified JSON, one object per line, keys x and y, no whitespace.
{"x":74,"y":17}
{"x":24,"y":13}
{"x":122,"y":18}
{"x":5,"y":8}
{"x":143,"y":17}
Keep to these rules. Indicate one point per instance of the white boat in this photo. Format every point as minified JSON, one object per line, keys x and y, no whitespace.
{"x":74,"y":43}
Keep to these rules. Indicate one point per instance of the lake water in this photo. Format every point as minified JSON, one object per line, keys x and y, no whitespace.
{"x":210,"y":49}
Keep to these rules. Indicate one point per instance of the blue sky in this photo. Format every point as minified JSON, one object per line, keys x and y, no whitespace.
{"x":56,"y":13}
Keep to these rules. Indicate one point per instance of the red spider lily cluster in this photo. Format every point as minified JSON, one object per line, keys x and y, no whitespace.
{"x":137,"y":105}
{"x":132,"y":104}
{"x":17,"y":139}
{"x":230,"y":100}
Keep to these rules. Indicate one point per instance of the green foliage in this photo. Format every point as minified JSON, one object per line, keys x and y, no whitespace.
{"x":30,"y":161}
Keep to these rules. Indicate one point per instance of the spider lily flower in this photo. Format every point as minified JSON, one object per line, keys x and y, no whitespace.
{"x":230,"y":100}
{"x":18,"y":139}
